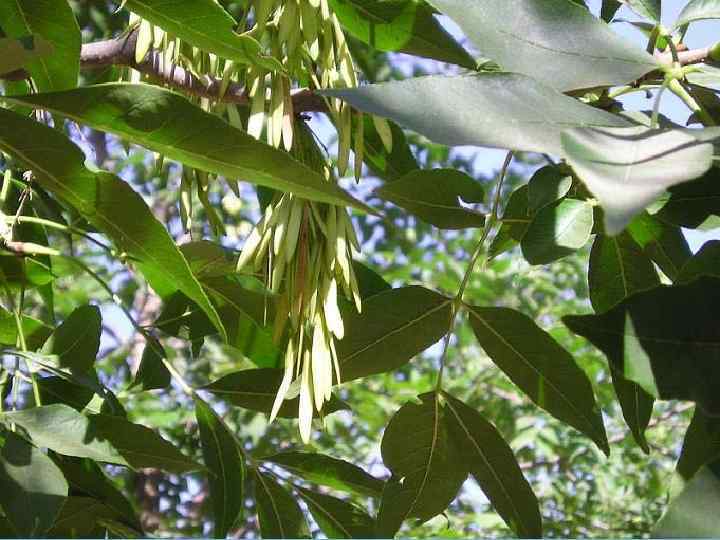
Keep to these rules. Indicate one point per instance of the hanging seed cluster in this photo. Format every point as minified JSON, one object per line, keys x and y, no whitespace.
{"x":303,"y":249}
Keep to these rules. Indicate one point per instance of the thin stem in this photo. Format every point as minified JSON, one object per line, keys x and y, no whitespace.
{"x":61,"y":227}
{"x":492,"y":220}
{"x":677,"y":88}
{"x":656,"y":106}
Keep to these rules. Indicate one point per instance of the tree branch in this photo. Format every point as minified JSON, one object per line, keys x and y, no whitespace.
{"x":120,"y":51}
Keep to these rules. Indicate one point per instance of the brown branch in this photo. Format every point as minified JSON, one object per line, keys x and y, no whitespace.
{"x":120,"y":51}
{"x":692,"y":56}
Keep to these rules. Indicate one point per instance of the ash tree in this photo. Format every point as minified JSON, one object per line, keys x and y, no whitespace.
{"x":223,"y":97}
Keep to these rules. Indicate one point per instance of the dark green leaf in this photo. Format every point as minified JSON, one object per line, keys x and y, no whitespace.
{"x":665,"y":244}
{"x":55,"y":389}
{"x":402,"y":26}
{"x":665,"y":339}
{"x":557,"y":231}
{"x":369,"y":282}
{"x":106,"y":202}
{"x":328,"y":471}
{"x":609,"y":9}
{"x":693,"y":514}
{"x":109,"y":439}
{"x":705,"y":263}
{"x":255,"y":389}
{"x":207,"y":259}
{"x":391,"y":165}
{"x":692,"y":203}
{"x":548,"y":185}
{"x":206,"y":25}
{"x":540,"y":367}
{"x":152,"y":373}
{"x":393,"y":327}
{"x":618,"y":269}
{"x":84,"y":517}
{"x":432,"y":195}
{"x":279,"y":515}
{"x":555,"y":42}
{"x":427,"y":465}
{"x":515,"y":222}
{"x":33,"y":488}
{"x":35,"y":331}
{"x":636,"y":405}
{"x":87,"y":478}
{"x":226,"y":467}
{"x":338,"y":518}
{"x":629,"y":168}
{"x":701,"y":447}
{"x":492,"y":462}
{"x":77,"y":340}
{"x":501,"y":110}
{"x":53,"y":21}
{"x":161,"y":121}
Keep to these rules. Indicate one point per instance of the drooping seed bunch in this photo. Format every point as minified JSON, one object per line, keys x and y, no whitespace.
{"x":305,"y":249}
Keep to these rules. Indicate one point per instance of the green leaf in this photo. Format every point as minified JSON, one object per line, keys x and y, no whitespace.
{"x":706,"y":262}
{"x":35,"y":331}
{"x":54,"y":22}
{"x":693,"y":514}
{"x":665,"y":244}
{"x":337,"y":518}
{"x":106,"y":202}
{"x":77,"y":340}
{"x":255,"y":389}
{"x":701,"y":447}
{"x":500,"y":110}
{"x":650,"y":9}
{"x":370,"y":283}
{"x":86,"y":517}
{"x":152,"y":373}
{"x":492,"y":462}
{"x":393,"y":327}
{"x":279,"y":515}
{"x":515,"y":222}
{"x":540,"y":367}
{"x":206,"y":25}
{"x":636,"y":405}
{"x":402,"y":26}
{"x":555,"y":42}
{"x":168,"y":123}
{"x":208,"y":259}
{"x":618,"y":269}
{"x":432,"y":195}
{"x":557,"y":231}
{"x":425,"y":463}
{"x":226,"y":467}
{"x":692,"y":203}
{"x":698,"y":10}
{"x":328,"y":471}
{"x":16,"y":53}
{"x":392,"y":164}
{"x":33,"y":488}
{"x":86,"y":477}
{"x":56,"y":389}
{"x":549,"y":184}
{"x":609,"y":9}
{"x":101,"y":437}
{"x":629,"y":168}
{"x":665,"y":340}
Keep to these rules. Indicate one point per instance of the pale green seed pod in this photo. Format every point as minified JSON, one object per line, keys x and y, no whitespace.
{"x":382,"y":126}
{"x":144,"y":40}
{"x":256,"y":120}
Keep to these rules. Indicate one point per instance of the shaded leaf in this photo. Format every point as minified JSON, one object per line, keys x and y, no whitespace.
{"x":393,"y":327}
{"x":279,"y":515}
{"x":206,"y":25}
{"x":77,"y":340}
{"x":540,"y":367}
{"x":101,"y":437}
{"x":701,"y":447}
{"x":85,"y":517}
{"x":547,"y":185}
{"x":255,"y":389}
{"x":706,"y":262}
{"x":54,"y":22}
{"x":369,"y":282}
{"x":557,"y":231}
{"x":609,"y":9}
{"x":392,"y":164}
{"x":106,"y":202}
{"x":561,"y":45}
{"x":152,"y":373}
{"x":226,"y":467}
{"x":500,"y":110}
{"x":692,"y":203}
{"x":665,"y":244}
{"x":426,"y":465}
{"x":33,"y":488}
{"x":665,"y":340}
{"x":328,"y":471}
{"x":492,"y":462}
{"x":628,"y":168}
{"x":337,"y":518}
{"x":16,"y":53}
{"x":515,"y":222}
{"x":168,"y":123}
{"x":34,"y":330}
{"x":400,"y":25}
{"x":432,"y":195}
{"x":636,"y":405}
